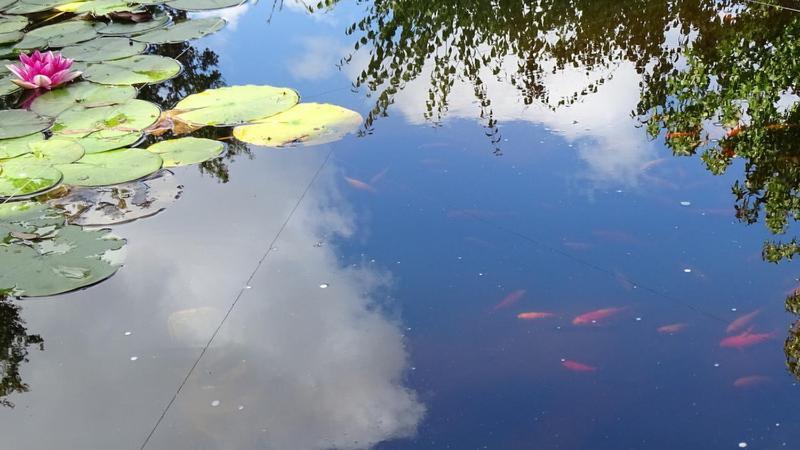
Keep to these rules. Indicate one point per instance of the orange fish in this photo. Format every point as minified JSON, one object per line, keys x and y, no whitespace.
{"x":358,"y":184}
{"x":733,"y":132}
{"x":595,"y":316}
{"x":650,"y":164}
{"x":378,"y":176}
{"x":510,"y":299}
{"x":673,"y":328}
{"x":742,"y":322}
{"x":680,"y":134}
{"x":534,"y":315}
{"x":749,"y":381}
{"x":746,"y":339}
{"x":575,"y":366}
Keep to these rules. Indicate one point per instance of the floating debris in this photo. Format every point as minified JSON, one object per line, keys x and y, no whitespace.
{"x":128,"y":333}
{"x":324,"y":285}
{"x":215,"y":403}
{"x":684,"y":203}
{"x":134,"y":358}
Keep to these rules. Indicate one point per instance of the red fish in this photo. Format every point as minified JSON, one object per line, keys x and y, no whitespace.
{"x":510,"y":299}
{"x":742,"y":322}
{"x":534,"y":315}
{"x":673,"y":328}
{"x":596,"y":316}
{"x":746,"y":339}
{"x":575,"y":366}
{"x":749,"y":381}
{"x":358,"y":184}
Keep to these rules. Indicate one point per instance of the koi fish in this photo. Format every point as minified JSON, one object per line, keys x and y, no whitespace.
{"x":650,"y":164}
{"x":673,"y":328}
{"x":510,"y":299}
{"x":378,"y":176}
{"x":742,"y":322}
{"x":534,"y":315}
{"x":749,"y":381}
{"x":595,"y":316}
{"x":575,"y":366}
{"x":746,"y":339}
{"x":358,"y":184}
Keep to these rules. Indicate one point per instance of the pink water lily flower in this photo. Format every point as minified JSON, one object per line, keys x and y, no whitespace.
{"x":42,"y":70}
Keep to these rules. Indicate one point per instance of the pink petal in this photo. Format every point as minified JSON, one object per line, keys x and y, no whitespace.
{"x":63,"y":76}
{"x":42,"y":81}
{"x":24,"y":84}
{"x":16,"y":71}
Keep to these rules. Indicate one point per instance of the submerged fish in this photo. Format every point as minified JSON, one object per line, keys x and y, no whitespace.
{"x":673,"y":328}
{"x":595,"y":316}
{"x":752,"y":380}
{"x":575,"y":366}
{"x":746,"y":339}
{"x":534,"y":315}
{"x":358,"y":184}
{"x":378,"y":176}
{"x":742,"y":322}
{"x":510,"y":299}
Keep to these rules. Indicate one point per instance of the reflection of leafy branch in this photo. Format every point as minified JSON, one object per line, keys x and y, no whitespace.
{"x":14,"y":342}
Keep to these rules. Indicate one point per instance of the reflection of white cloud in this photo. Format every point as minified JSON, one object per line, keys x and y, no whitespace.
{"x":303,"y":6}
{"x":316,"y":368}
{"x":317,"y":60}
{"x":231,"y":15}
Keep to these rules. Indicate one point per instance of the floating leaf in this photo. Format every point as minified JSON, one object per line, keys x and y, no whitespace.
{"x":183,"y":31}
{"x":83,"y":94}
{"x":19,"y":122}
{"x":121,"y":203}
{"x":6,"y":3}
{"x":73,"y":259}
{"x":140,"y":69}
{"x":115,"y":120}
{"x":103,"y":141}
{"x":112,"y":167}
{"x":132,"y":29}
{"x":6,"y":86}
{"x":96,"y":7}
{"x":30,"y":218}
{"x":305,"y":124}
{"x":11,"y":148}
{"x":11,"y":37}
{"x":104,"y":49}
{"x":12,"y":23}
{"x":186,"y":151}
{"x":204,"y":5}
{"x":22,"y":180}
{"x":235,"y":105}
{"x":58,"y":35}
{"x":50,"y":152}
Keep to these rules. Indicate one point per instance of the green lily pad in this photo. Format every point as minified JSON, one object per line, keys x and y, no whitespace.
{"x":50,"y":152}
{"x":32,"y":6}
{"x":6,"y":3}
{"x":204,"y":5}
{"x":132,"y":29}
{"x":104,"y":49}
{"x":19,"y":122}
{"x":29,"y":218}
{"x":186,"y":151}
{"x":6,"y":86}
{"x":11,"y":37}
{"x":235,"y":105}
{"x":183,"y":31}
{"x":140,"y":69}
{"x":11,"y":148}
{"x":97,"y":7}
{"x":112,"y":167}
{"x":58,"y":35}
{"x":21,"y":180}
{"x":12,"y":23}
{"x":73,"y":259}
{"x":103,"y":141}
{"x":305,"y":124}
{"x":83,"y":94}
{"x":115,"y":120}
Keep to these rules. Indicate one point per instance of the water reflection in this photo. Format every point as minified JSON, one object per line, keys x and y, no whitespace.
{"x":14,"y":343}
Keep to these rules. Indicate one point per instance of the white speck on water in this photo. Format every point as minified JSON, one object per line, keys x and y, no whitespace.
{"x":240,"y":407}
{"x":742,"y":444}
{"x":716,"y":364}
{"x":686,"y":203}
{"x":134,"y":358}
{"x":733,"y":309}
{"x":594,"y":321}
{"x":619,"y":191}
{"x":324,"y":285}
{"x":558,"y":327}
{"x":778,"y":424}
{"x":128,"y":333}
{"x":480,"y":274}
{"x":319,"y":244}
{"x":687,"y":270}
{"x":638,"y":319}
{"x":248,"y":287}
{"x":215,"y":403}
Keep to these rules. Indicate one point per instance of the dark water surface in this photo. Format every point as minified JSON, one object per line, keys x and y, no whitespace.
{"x":365,"y":293}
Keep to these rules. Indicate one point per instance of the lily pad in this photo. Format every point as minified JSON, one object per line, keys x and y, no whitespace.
{"x":29,"y":218}
{"x":96,"y":7}
{"x":183,"y":31}
{"x":115,"y":120}
{"x":21,"y":180}
{"x":305,"y":124}
{"x":103,"y":141}
{"x":132,"y":29}
{"x":6,"y":86}
{"x":204,"y":5}
{"x":11,"y":148}
{"x":112,"y":167}
{"x":73,"y":259}
{"x":6,"y":3}
{"x":83,"y":94}
{"x":12,"y":23}
{"x":11,"y":37}
{"x":122,"y":203}
{"x":186,"y":151}
{"x":19,"y":122}
{"x":235,"y":105}
{"x":104,"y":49}
{"x":140,"y":69}
{"x":58,"y":35}
{"x":50,"y":152}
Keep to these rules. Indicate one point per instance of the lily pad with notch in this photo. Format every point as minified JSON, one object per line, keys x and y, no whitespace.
{"x":139,"y":69}
{"x":304,"y":125}
{"x":111,"y":167}
{"x":186,"y":151}
{"x":83,"y":94}
{"x":235,"y":105}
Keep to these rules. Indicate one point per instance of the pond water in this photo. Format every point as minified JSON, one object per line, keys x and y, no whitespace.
{"x":573,"y":159}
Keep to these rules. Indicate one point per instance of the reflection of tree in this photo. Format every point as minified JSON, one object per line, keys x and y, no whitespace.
{"x":513,"y":40}
{"x":792,"y":345}
{"x":14,"y":342}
